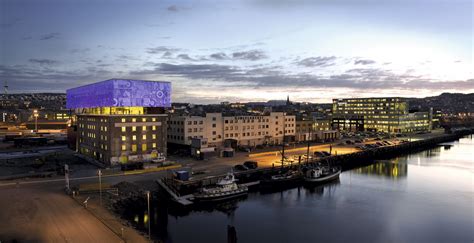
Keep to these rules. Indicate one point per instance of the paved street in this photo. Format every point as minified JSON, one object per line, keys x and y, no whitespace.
{"x":38,"y":213}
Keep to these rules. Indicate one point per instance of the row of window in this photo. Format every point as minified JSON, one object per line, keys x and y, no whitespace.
{"x":134,"y":147}
{"x":134,"y":137}
{"x":143,"y":119}
{"x":134,"y":128}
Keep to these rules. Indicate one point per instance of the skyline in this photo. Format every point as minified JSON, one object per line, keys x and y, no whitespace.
{"x":242,"y":51}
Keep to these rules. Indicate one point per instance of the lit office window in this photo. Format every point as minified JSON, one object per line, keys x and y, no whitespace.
{"x":143,"y":119}
{"x":124,"y":147}
{"x":154,"y":145}
{"x":153,"y":119}
{"x":153,"y":136}
{"x":124,"y":129}
{"x":134,"y":120}
{"x":124,"y":138}
{"x":134,"y":129}
{"x":134,"y":148}
{"x":134,"y":137}
{"x":144,"y":128}
{"x":123,"y":119}
{"x":153,"y":128}
{"x":144,"y":137}
{"x":143,"y":147}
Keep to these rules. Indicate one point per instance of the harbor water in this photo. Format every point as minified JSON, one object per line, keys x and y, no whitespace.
{"x":421,"y":197}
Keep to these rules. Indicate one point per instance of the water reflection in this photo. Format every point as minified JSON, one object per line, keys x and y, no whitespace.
{"x":392,"y":169}
{"x":431,"y":204}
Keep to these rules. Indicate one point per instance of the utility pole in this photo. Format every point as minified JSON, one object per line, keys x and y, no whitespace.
{"x":99,"y":173}
{"x":149,"y":216}
{"x":35,"y":115}
{"x":66,"y":176}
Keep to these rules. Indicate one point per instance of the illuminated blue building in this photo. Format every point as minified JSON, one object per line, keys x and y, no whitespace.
{"x":121,"y":120}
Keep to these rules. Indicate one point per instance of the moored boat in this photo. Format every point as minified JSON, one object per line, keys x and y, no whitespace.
{"x":225,"y":188}
{"x":321,"y":174}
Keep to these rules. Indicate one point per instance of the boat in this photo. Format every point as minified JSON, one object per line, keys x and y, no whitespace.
{"x":225,"y":188}
{"x":320,"y":174}
{"x":282,"y":180}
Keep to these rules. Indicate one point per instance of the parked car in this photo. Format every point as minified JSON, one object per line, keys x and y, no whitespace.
{"x":240,"y":168}
{"x":251,"y":164}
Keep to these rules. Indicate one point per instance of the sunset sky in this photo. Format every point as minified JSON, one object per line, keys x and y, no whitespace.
{"x":214,"y":51}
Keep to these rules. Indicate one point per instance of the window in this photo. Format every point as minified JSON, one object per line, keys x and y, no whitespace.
{"x":134,"y":119}
{"x":134,"y":137}
{"x":124,"y":147}
{"x":143,"y":119}
{"x":144,"y":147}
{"x":134,"y":148}
{"x":153,"y":136}
{"x":214,"y":125}
{"x":144,"y":128}
{"x":153,"y":119}
{"x":153,"y":145}
{"x":144,"y":137}
{"x":124,"y":129}
{"x":124,"y":138}
{"x":134,"y":129}
{"x":123,"y":119}
{"x":153,"y":128}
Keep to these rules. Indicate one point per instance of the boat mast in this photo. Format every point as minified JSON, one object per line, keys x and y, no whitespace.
{"x":283,"y":143}
{"x":309,"y":139}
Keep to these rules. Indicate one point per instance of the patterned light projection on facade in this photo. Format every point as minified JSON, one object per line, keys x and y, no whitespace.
{"x":120,"y":93}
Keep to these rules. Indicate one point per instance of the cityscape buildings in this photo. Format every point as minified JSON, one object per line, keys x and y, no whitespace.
{"x":121,"y":120}
{"x":389,"y":114}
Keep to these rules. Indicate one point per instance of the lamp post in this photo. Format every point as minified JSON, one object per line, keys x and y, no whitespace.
{"x":35,"y":115}
{"x":99,"y":173}
{"x":149,"y":217}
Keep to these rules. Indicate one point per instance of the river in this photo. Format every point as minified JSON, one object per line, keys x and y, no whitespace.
{"x":420,"y":197}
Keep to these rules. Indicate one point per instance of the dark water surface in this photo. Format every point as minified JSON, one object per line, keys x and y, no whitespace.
{"x":422,"y":197}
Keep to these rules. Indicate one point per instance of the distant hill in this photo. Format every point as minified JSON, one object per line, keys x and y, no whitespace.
{"x":446,"y":102}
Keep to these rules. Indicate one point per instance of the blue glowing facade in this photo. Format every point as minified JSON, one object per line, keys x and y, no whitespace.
{"x":120,"y":93}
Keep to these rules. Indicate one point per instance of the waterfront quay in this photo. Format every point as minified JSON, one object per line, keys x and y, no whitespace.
{"x":181,"y":191}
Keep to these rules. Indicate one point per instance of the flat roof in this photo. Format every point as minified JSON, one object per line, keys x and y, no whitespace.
{"x":120,"y":93}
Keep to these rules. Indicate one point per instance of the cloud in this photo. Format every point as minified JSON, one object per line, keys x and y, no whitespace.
{"x":219,"y":56}
{"x":317,"y":61}
{"x":11,"y":23}
{"x":364,"y":62}
{"x":185,"y":57}
{"x":194,"y":71}
{"x":252,"y":55}
{"x":173,"y":8}
{"x":50,"y":36}
{"x":215,"y":75}
{"x":162,"y":49}
{"x":79,"y":50}
{"x":43,"y":61}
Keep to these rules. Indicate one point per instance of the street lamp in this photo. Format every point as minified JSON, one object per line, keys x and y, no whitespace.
{"x":149,"y":218}
{"x":99,"y":173}
{"x":35,"y":115}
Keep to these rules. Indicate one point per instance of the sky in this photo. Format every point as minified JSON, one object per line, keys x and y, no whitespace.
{"x":240,"y":51}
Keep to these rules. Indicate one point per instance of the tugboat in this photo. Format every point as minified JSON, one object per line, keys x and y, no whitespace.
{"x":320,"y":174}
{"x":225,"y":188}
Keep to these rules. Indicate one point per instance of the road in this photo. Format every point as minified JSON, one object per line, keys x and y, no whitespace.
{"x":35,"y":213}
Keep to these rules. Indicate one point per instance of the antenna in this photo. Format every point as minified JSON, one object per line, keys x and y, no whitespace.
{"x":5,"y":87}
